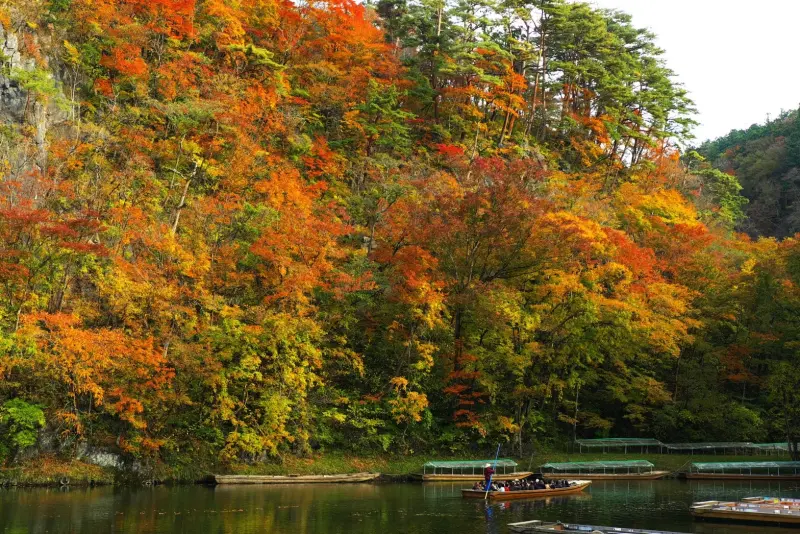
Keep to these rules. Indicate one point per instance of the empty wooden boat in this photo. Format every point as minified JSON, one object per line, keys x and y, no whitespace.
{"x":468,"y":470}
{"x":547,"y":526}
{"x":610,"y":470}
{"x":744,"y":471}
{"x":750,"y":510}
{"x":296,"y":479}
{"x":576,"y":486}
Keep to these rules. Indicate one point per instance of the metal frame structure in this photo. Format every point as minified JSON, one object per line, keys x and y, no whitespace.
{"x":640,"y":466}
{"x":619,"y":443}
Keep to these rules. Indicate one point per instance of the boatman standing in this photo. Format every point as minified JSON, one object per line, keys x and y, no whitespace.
{"x":487,"y":473}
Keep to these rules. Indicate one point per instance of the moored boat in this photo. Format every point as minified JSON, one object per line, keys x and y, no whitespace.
{"x":296,"y":479}
{"x":547,"y":526}
{"x":744,"y":471}
{"x":469,"y":470}
{"x":576,"y":486}
{"x":655,"y":475}
{"x":750,"y":510}
{"x":609,"y":470}
{"x":443,"y":477}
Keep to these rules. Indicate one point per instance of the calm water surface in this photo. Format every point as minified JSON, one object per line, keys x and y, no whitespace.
{"x":364,"y":508}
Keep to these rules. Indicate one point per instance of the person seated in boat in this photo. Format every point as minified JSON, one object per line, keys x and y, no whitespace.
{"x":477,"y":486}
{"x":539,"y":485}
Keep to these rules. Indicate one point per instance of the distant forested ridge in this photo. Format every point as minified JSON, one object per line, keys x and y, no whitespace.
{"x":766,"y":161}
{"x":236,"y":231}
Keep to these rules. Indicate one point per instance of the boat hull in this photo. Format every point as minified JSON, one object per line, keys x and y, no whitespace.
{"x":750,"y":510}
{"x":724,"y":476}
{"x":296,"y":479}
{"x":470,"y":477}
{"x":526,"y":494}
{"x":655,"y":475}
{"x":745,"y":517}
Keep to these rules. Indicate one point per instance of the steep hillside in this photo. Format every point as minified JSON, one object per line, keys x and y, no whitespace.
{"x":766,"y":161}
{"x":236,"y":231}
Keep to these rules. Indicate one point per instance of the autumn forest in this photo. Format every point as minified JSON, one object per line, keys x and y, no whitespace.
{"x":232,"y":231}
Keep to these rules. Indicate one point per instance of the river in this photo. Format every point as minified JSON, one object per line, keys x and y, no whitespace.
{"x":362,"y":508}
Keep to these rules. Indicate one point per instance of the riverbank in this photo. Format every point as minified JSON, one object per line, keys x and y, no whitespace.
{"x":405,"y":465}
{"x":48,"y":471}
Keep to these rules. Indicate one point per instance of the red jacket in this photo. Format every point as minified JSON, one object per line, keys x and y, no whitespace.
{"x":487,"y":473}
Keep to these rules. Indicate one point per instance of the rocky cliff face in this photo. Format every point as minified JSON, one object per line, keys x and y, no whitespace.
{"x":27,"y":116}
{"x":13,"y":98}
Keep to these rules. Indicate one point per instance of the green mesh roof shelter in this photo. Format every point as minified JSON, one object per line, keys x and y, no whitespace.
{"x":711,"y":446}
{"x":777,"y":468}
{"x":624,"y":466}
{"x":619,"y":443}
{"x":729,"y":446}
{"x":466,"y":466}
{"x":784,"y":446}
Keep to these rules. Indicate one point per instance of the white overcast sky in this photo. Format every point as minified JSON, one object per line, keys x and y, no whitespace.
{"x":740,"y":59}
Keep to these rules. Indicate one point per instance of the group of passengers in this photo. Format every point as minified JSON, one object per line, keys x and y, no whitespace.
{"x":522,"y":485}
{"x":516,"y":485}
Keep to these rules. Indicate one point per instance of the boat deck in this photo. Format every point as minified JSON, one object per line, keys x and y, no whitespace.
{"x":750,"y":510}
{"x":546,"y":526}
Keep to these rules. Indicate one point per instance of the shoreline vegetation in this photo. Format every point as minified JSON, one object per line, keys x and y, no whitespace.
{"x":49,"y":472}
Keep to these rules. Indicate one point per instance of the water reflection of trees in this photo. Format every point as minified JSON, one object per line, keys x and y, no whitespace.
{"x":362,"y":508}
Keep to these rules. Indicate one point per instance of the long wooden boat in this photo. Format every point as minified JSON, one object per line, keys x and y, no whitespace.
{"x":738,"y":476}
{"x":750,"y":510}
{"x":654,"y":475}
{"x":576,"y":486}
{"x":547,"y":526}
{"x":296,"y":479}
{"x":428,"y":477}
